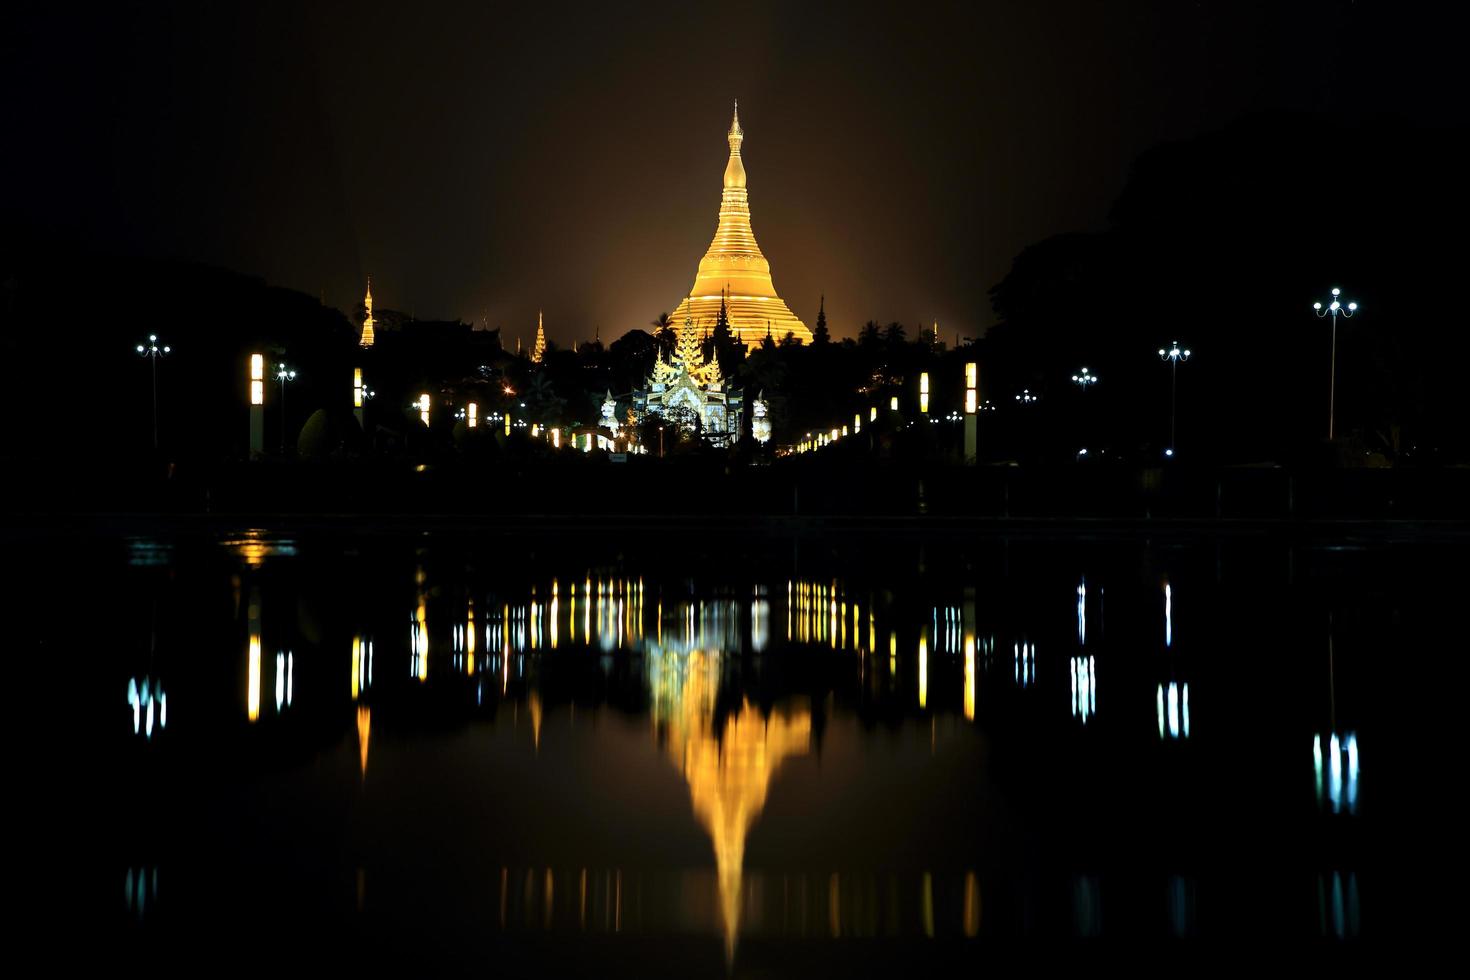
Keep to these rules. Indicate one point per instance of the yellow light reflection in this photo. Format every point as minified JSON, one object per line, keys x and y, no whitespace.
{"x":469,"y":639}
{"x":969,"y":677}
{"x":421,"y":637}
{"x":356,"y":666}
{"x":535,"y":701}
{"x":252,"y":689}
{"x":364,"y":729}
{"x":728,"y":773}
{"x":923,"y":670}
{"x":972,"y":905}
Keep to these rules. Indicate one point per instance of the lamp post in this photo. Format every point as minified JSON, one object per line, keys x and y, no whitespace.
{"x":257,"y":406}
{"x":1173,"y":355}
{"x":153,"y":351}
{"x":284,"y":374}
{"x":972,"y":404}
{"x":1027,"y":398}
{"x":1084,"y":380}
{"x":1333,"y":309}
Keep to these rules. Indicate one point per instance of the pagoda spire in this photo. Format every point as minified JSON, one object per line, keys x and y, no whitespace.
{"x":539,"y":351}
{"x":734,"y":259}
{"x":367,"y":324}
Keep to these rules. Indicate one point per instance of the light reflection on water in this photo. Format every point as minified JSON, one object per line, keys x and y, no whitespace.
{"x":791,"y":710}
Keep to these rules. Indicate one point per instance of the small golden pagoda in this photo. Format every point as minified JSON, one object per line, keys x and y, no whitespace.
{"x":735,"y":270}
{"x":367,"y":325}
{"x":539,"y":351}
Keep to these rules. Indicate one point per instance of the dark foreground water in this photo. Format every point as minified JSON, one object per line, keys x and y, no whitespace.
{"x":690,"y":752}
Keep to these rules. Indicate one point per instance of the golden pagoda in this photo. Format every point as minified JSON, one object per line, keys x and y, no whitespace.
{"x":735,"y":271}
{"x":539,"y":351}
{"x":367,"y":325}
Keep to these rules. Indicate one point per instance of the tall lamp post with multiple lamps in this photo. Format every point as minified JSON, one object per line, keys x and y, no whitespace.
{"x":1084,"y":379}
{"x":1334,"y":309}
{"x":284,"y":374}
{"x":1173,"y":355}
{"x":153,"y":350}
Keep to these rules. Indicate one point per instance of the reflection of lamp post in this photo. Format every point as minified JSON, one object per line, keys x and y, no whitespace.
{"x":1333,"y":309}
{"x":153,"y":352}
{"x":1027,"y":398}
{"x":284,"y":374}
{"x":1173,"y":355}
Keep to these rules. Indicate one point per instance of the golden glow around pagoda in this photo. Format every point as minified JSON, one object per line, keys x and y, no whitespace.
{"x":735,"y":270}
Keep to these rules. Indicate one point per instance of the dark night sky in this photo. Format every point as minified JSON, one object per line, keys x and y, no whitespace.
{"x":486,"y":162}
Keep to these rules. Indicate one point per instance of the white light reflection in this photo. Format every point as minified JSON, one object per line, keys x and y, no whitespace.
{"x":148,"y":701}
{"x":1082,"y":613}
{"x":1341,"y":784}
{"x":1025,"y":664}
{"x":1168,"y":615}
{"x":1084,"y":687}
{"x":1173,"y":708}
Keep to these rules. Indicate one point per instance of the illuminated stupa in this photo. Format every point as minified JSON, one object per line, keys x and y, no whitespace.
{"x":734,"y":262}
{"x":539,"y":351}
{"x":367,"y":325}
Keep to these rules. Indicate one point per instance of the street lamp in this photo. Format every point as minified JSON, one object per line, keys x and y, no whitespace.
{"x":1027,"y":398}
{"x":284,"y":374}
{"x":1085,"y":379}
{"x":153,"y":351}
{"x":1333,"y":309}
{"x":1173,"y":355}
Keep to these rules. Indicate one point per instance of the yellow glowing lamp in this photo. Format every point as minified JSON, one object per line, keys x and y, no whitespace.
{"x":893,"y":404}
{"x":924,"y":392}
{"x":873,"y":414}
{"x":969,"y":401}
{"x":971,"y":375}
{"x":507,"y":421}
{"x":472,"y":415}
{"x":556,"y":438}
{"x":844,"y":430}
{"x":857,"y":423}
{"x":424,"y":408}
{"x":357,"y":387}
{"x":535,"y":430}
{"x":257,"y":379}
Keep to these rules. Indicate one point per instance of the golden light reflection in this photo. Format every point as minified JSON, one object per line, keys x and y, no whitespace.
{"x":252,"y":684}
{"x":969,"y":677}
{"x":421,"y":640}
{"x":252,"y":688}
{"x":923,"y":670}
{"x":364,"y":728}
{"x":535,"y":702}
{"x":469,"y":638}
{"x":728,"y":773}
{"x":972,"y":905}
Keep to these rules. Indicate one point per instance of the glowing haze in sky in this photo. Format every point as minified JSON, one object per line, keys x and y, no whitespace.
{"x":483,"y":162}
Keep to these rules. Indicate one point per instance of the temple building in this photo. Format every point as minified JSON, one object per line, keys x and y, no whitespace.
{"x":734,"y":268}
{"x":686,"y":387}
{"x":367,"y":324}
